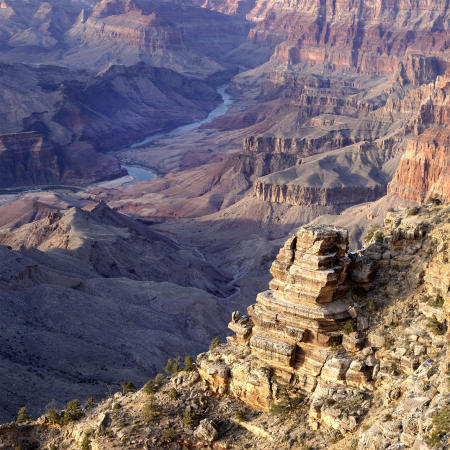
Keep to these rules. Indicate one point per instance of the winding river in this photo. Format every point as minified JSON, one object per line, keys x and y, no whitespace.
{"x":142,"y":174}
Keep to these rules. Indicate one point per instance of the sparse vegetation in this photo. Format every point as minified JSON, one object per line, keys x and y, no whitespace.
{"x":214,"y":343}
{"x":286,"y":404}
{"x":437,"y":302}
{"x":435,"y":326}
{"x":127,"y":387}
{"x":241,"y":416}
{"x":350,"y":326}
{"x":412,"y":211}
{"x":72,"y":411}
{"x":189,"y":365}
{"x":154,"y":385}
{"x":116,"y":406}
{"x":90,"y":402}
{"x":434,"y":201}
{"x":86,"y":442}
{"x":173,"y":394}
{"x":190,"y":419}
{"x":441,"y":428}
{"x":372,"y":307}
{"x":23,"y":416}
{"x":374,"y":232}
{"x":173,"y":366}
{"x":169,"y":434}
{"x":150,"y":411}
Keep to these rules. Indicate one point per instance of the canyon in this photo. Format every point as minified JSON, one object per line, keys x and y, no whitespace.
{"x":155,"y":157}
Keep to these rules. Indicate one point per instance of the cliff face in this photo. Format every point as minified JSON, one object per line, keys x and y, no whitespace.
{"x":26,"y":159}
{"x":424,"y":169}
{"x":371,"y":37}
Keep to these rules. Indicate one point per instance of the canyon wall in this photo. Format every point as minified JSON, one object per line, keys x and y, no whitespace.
{"x":26,"y":158}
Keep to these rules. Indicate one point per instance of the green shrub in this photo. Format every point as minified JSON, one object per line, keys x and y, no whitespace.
{"x":116,"y":406}
{"x":435,"y":326}
{"x":86,"y":442}
{"x":350,"y":326}
{"x":214,"y":343}
{"x":127,"y":387}
{"x":372,"y":307}
{"x":189,"y":365}
{"x":169,"y":434}
{"x":412,"y":211}
{"x":434,"y":201}
{"x":437,"y":302}
{"x":90,"y":403}
{"x":150,"y":411}
{"x":190,"y":419}
{"x":441,"y":428}
{"x":173,"y":366}
{"x":241,"y":416}
{"x":371,"y":233}
{"x":72,"y":411}
{"x":23,"y":416}
{"x":173,"y":394}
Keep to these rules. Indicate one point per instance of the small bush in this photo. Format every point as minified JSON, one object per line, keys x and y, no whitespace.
{"x":371,"y":233}
{"x":169,"y":434}
{"x":173,"y":394}
{"x":441,"y":428}
{"x":86,"y":442}
{"x":150,"y":411}
{"x":173,"y":366}
{"x":433,"y":370}
{"x":437,"y":302}
{"x":434,"y":201}
{"x":435,"y":326}
{"x":412,"y":211}
{"x":190,"y":419}
{"x":241,"y":416}
{"x":23,"y":416}
{"x":72,"y":411}
{"x":214,"y":343}
{"x":189,"y":365}
{"x":372,"y":307}
{"x":350,"y":326}
{"x":154,"y":385}
{"x":90,"y":403}
{"x":116,"y":406}
{"x":127,"y":387}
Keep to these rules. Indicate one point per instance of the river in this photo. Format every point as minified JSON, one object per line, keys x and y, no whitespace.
{"x":142,"y":174}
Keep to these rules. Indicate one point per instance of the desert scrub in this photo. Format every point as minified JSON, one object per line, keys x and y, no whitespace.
{"x":437,"y":302}
{"x":169,"y":434}
{"x":190,"y":419}
{"x":173,"y":394}
{"x":214,"y":343}
{"x":350,"y":326}
{"x":151,"y":411}
{"x":72,"y":411}
{"x":241,"y":416}
{"x":412,"y":211}
{"x":173,"y":366}
{"x":375,"y":233}
{"x":189,"y":365}
{"x":435,"y":326}
{"x":86,"y":442}
{"x":441,"y":428}
{"x":23,"y":416}
{"x":154,"y":385}
{"x":372,"y":307}
{"x":127,"y":387}
{"x":116,"y":406}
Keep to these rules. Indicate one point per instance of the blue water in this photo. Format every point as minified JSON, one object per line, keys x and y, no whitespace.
{"x":138,"y":174}
{"x":220,"y":110}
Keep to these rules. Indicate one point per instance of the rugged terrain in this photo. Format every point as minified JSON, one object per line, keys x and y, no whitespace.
{"x":345,"y":350}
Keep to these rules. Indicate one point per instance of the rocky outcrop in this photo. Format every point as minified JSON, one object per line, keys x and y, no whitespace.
{"x":27,"y":159}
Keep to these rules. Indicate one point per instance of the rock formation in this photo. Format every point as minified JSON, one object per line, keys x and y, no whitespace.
{"x":27,"y":159}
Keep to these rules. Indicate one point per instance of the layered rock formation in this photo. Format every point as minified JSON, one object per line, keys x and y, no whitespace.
{"x":294,"y":341}
{"x":338,"y":178}
{"x":25,"y":158}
